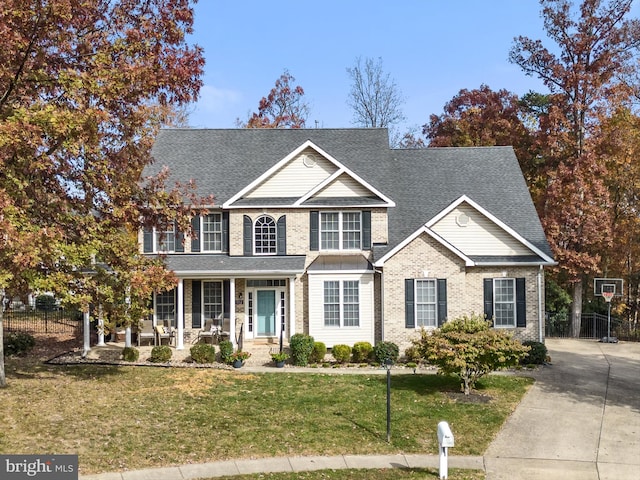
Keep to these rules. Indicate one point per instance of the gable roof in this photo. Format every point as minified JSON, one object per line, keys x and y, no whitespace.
{"x":421,"y":182}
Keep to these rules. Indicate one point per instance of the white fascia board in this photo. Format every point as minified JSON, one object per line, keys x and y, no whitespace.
{"x":339,"y":272}
{"x":424,"y":229}
{"x":494,"y":219}
{"x":226,"y":274}
{"x":516,"y":264}
{"x":268,"y":173}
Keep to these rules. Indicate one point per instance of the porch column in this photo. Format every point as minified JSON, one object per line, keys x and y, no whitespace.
{"x":180,"y":316}
{"x":100,"y":331}
{"x":232,"y":311}
{"x":292,"y":306}
{"x":86,"y":334}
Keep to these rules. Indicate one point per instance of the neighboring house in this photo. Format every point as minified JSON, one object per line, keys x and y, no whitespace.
{"x":331,"y":233}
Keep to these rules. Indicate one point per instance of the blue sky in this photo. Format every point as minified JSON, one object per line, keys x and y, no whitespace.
{"x":431,"y":48}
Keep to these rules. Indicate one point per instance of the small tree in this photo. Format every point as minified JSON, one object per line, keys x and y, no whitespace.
{"x":469,"y":348}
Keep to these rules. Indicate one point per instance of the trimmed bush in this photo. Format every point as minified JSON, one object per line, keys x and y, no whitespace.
{"x":412,"y":354}
{"x":361,"y":351}
{"x":342,"y":353}
{"x":318,"y":353}
{"x":130,"y":354}
{"x":45,"y":303}
{"x":537,"y":354}
{"x":226,"y":350}
{"x":386,"y":351}
{"x":160,"y":354}
{"x":17,"y":343}
{"x":301,"y":346}
{"x":203,"y":353}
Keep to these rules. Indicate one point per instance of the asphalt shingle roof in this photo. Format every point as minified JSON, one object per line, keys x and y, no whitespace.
{"x":422,"y":182}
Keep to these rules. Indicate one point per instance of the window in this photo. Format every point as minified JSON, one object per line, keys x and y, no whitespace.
{"x":426,"y":304}
{"x":166,"y":308}
{"x":212,"y":232}
{"x":504,"y":302}
{"x":212,"y":299}
{"x":342,"y":303}
{"x":165,"y":241}
{"x":340,"y":230}
{"x":265,"y":236}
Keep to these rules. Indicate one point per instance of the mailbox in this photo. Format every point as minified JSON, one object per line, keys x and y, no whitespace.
{"x":445,"y":437}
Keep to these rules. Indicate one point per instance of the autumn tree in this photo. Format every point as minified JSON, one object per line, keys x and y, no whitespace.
{"x":83,"y":89}
{"x":374,"y":97}
{"x":283,"y":107}
{"x":596,"y":46}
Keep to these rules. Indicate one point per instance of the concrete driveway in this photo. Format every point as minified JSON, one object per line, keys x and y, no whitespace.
{"x":581,"y":419}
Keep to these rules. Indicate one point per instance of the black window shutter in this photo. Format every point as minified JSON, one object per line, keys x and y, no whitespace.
{"x":196,"y":304}
{"x":226,"y":293}
{"x":366,"y":230}
{"x":179,"y":239}
{"x":225,"y":231}
{"x":147,"y":243}
{"x":282,"y":235}
{"x":409,"y":309}
{"x":195,"y":240}
{"x":521,"y":303}
{"x":247,"y":237}
{"x":488,"y":298}
{"x":314,"y":231}
{"x":442,"y":301}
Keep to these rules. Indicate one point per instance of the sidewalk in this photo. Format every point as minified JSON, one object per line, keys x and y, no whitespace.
{"x":580,"y":420}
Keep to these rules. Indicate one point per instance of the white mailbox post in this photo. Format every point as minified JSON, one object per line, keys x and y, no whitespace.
{"x":445,"y":440}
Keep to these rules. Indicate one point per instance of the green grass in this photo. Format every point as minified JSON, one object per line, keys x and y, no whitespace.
{"x":118,"y":418}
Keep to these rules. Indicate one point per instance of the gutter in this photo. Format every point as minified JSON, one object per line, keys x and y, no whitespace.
{"x":540,"y":307}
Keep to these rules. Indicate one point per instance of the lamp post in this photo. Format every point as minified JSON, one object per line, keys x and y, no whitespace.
{"x":387,"y":366}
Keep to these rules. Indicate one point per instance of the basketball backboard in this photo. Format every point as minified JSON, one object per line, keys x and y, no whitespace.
{"x":612,"y":285}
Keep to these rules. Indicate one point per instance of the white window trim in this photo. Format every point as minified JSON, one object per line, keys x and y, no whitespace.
{"x":221,"y":317}
{"x":415,"y":302}
{"x":156,"y":240}
{"x":340,"y":231}
{"x":341,"y":305}
{"x":173,"y":321}
{"x":253,"y":232}
{"x":514,"y":303}
{"x":202,"y":232}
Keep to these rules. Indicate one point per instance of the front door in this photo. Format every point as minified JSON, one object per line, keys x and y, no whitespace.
{"x":266,"y":313}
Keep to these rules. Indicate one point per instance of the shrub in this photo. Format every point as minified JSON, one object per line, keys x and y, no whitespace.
{"x":45,"y":303}
{"x":160,"y":354}
{"x":318,"y":352}
{"x":301,"y":346}
{"x":412,"y":354}
{"x":386,"y":351}
{"x":226,"y":350}
{"x":469,"y":348}
{"x":537,"y":354}
{"x":17,"y":343}
{"x":361,"y":351}
{"x":130,"y":354}
{"x":342,"y":353}
{"x":203,"y":353}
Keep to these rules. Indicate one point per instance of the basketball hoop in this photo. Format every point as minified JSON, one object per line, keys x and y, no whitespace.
{"x":607,"y":296}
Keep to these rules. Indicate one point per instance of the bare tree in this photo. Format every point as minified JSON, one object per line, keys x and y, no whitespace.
{"x":374,"y":96}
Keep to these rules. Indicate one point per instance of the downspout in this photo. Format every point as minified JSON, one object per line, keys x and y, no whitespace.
{"x":540,"y":307}
{"x":381,"y":303}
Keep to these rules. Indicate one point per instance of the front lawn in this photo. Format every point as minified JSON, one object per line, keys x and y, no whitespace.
{"x":124,"y":418}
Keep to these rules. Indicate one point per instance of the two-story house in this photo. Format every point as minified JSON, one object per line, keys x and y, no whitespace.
{"x":331,"y":233}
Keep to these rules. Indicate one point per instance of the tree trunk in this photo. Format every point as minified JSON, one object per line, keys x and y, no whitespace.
{"x":576,"y":309}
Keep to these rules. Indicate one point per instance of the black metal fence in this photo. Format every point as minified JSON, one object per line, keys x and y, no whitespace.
{"x":592,"y":325}
{"x":38,"y":321}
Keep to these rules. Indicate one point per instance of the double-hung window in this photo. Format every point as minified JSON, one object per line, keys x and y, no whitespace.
{"x":340,"y":230}
{"x":166,"y":308}
{"x":426,"y":304}
{"x":212,"y":232}
{"x":165,"y":241}
{"x":212,"y":300}
{"x":504,"y":302}
{"x":342,"y":303}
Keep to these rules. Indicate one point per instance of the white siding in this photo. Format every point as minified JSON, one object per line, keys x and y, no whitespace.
{"x":480,"y":236}
{"x":341,"y":335}
{"x":344,"y":186}
{"x":295,"y":179}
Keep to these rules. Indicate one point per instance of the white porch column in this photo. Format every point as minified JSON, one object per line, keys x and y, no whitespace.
{"x":180,"y":316}
{"x":232,"y":311}
{"x":100,"y":332}
{"x":292,"y":306}
{"x":86,"y":334}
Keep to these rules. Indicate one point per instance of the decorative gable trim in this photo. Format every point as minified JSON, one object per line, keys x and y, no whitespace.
{"x":465,"y":199}
{"x":341,"y":169}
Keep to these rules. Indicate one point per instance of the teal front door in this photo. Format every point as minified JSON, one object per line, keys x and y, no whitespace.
{"x":266,"y":313}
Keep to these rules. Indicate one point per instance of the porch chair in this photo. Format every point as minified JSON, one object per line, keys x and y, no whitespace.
{"x":208,"y":331}
{"x":163,"y":331}
{"x":146,"y":332}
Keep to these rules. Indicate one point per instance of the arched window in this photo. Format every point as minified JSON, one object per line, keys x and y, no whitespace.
{"x":265,"y":236}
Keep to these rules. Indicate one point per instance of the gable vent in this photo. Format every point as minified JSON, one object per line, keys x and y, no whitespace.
{"x":309,"y":160}
{"x":462,"y":220}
